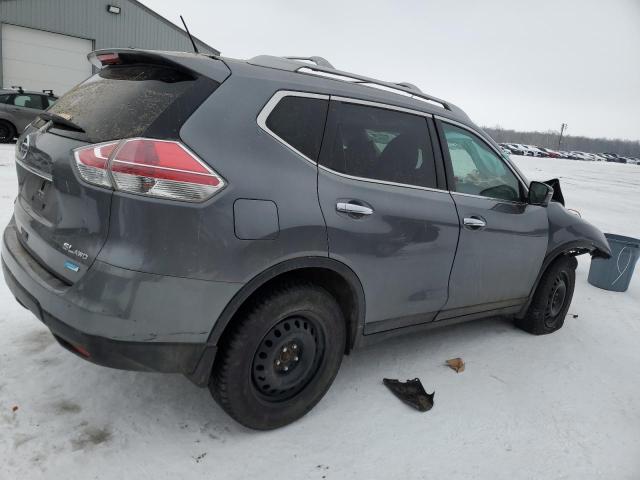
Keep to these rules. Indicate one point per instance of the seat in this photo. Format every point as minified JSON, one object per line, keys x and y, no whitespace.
{"x":31,"y":103}
{"x":399,"y":160}
{"x":359,"y":152}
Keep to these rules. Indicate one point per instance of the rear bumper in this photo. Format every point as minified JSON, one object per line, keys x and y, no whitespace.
{"x":142,"y":356}
{"x":120,"y":318}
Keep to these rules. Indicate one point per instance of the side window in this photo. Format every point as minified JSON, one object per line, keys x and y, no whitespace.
{"x":28,"y":101}
{"x":380,"y":144}
{"x":49,"y":101}
{"x":4,"y":98}
{"x":299,"y":121}
{"x":477,"y":169}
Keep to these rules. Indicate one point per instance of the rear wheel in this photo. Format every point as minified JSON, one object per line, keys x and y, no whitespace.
{"x":552,"y":298}
{"x":281,"y":358}
{"x":7,"y":132}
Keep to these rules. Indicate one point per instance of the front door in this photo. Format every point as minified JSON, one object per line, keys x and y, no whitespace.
{"x":503,"y":239}
{"x":386,"y":217}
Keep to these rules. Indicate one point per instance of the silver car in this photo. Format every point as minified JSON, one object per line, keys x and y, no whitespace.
{"x":18,"y":108}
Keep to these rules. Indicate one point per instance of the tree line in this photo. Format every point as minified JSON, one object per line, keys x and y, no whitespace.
{"x":550,"y":139}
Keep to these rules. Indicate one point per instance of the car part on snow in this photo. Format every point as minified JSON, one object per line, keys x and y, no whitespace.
{"x":615,"y":272}
{"x":411,"y":392}
{"x":456,"y":364}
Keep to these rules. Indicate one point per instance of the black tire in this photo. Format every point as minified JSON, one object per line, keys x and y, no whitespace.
{"x":552,"y":298}
{"x":7,"y":132}
{"x":280,"y":358}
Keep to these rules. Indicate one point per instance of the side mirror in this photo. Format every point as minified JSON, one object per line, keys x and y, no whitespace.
{"x":540,"y":194}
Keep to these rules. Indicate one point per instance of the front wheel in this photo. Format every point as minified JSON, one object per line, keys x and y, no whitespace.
{"x":552,"y":298}
{"x":280,"y":358}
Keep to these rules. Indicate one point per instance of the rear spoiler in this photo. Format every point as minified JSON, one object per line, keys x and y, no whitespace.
{"x":197,"y":63}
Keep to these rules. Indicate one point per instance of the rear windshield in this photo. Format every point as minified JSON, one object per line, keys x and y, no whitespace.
{"x":122,"y":101}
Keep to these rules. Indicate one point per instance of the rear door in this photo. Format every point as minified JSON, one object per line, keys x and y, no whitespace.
{"x":387,"y":216}
{"x":61,"y":219}
{"x":503,"y":239}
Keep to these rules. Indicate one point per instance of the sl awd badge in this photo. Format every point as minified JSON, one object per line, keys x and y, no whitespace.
{"x":67,"y":247}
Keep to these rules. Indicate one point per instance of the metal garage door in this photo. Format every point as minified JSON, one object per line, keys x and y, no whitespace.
{"x":38,"y":60}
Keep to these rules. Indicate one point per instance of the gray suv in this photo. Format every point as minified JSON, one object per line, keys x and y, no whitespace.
{"x":247,"y":223}
{"x":18,"y":108}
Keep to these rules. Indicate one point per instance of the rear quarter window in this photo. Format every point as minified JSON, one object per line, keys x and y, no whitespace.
{"x":299,"y":122}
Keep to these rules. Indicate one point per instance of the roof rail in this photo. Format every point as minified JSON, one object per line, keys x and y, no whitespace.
{"x":320,"y":61}
{"x":410,"y":86}
{"x":300,"y":65}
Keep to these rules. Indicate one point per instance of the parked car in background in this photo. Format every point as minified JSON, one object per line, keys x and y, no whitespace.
{"x":525,"y":149}
{"x":550,"y":153}
{"x":512,"y":148}
{"x":536,"y":151}
{"x":575,"y":155}
{"x":18,"y":108}
{"x":614,"y":157}
{"x":249,"y":256}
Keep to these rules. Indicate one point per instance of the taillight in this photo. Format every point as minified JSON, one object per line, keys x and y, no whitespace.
{"x":93,"y":162}
{"x":156,"y":168}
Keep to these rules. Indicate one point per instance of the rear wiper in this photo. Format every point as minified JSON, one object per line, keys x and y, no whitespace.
{"x":60,"y":120}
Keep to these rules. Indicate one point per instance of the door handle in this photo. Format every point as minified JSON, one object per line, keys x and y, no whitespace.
{"x":353,"y":208}
{"x":474,"y":223}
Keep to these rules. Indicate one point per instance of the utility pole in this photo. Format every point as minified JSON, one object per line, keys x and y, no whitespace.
{"x":563,"y":127}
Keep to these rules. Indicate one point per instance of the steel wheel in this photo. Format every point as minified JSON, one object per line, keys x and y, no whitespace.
{"x":552,"y":298}
{"x":557,"y":298}
{"x":287,"y":358}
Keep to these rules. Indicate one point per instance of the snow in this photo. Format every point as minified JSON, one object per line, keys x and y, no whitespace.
{"x":558,"y":406}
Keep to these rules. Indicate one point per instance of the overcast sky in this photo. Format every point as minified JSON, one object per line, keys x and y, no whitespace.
{"x":525,"y":65}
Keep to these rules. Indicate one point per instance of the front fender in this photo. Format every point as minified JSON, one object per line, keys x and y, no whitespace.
{"x":568,"y":233}
{"x":574,"y":233}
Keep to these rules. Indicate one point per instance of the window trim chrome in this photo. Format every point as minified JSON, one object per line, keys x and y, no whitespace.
{"x":384,"y":106}
{"x":280,"y":94}
{"x":382,"y":182}
{"x":492,"y":199}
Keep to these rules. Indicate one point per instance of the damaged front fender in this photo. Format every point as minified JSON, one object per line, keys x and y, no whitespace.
{"x":569,"y":232}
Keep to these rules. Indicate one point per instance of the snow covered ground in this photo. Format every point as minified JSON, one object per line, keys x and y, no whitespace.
{"x":565,"y":405}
